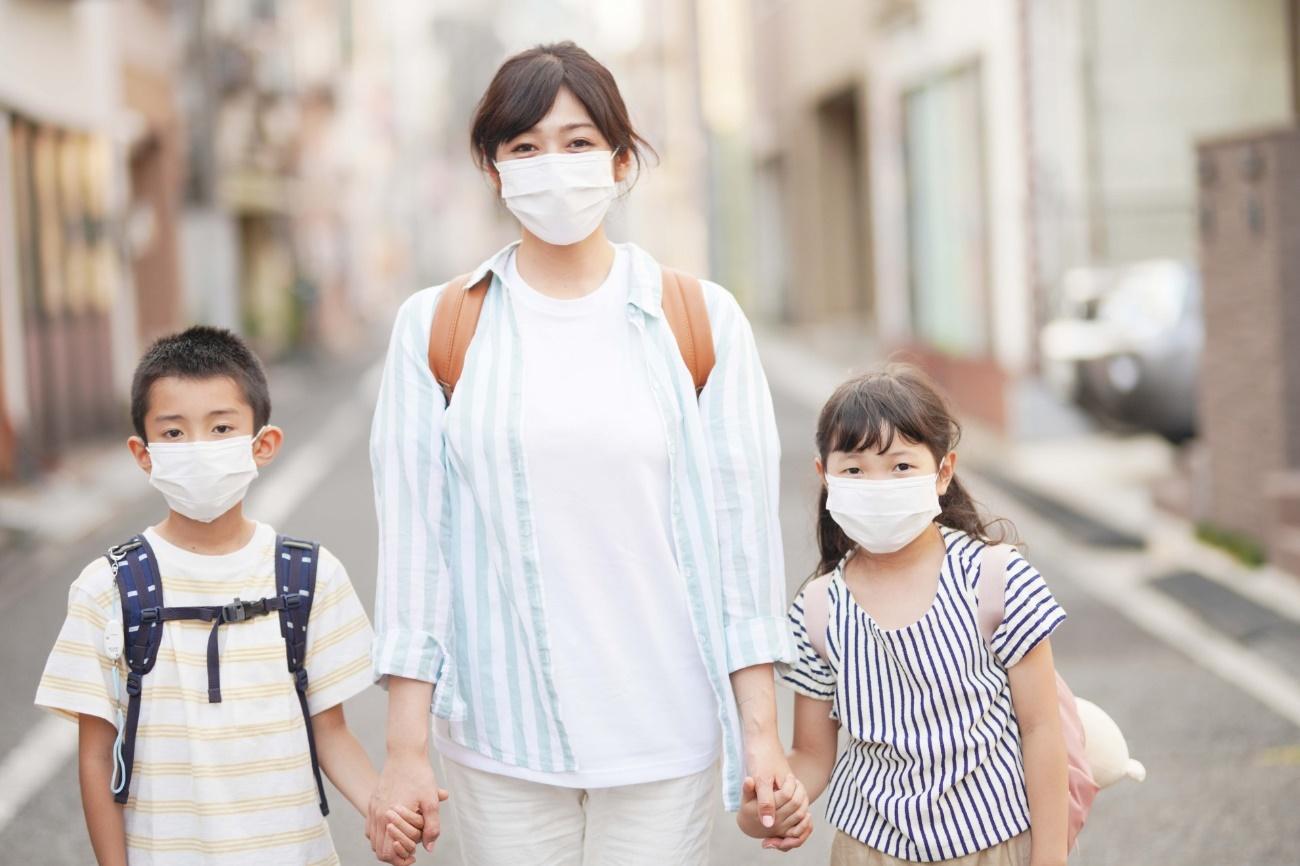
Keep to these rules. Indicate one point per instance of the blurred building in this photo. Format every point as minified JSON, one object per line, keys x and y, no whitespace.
{"x":932,"y":169}
{"x":89,"y":170}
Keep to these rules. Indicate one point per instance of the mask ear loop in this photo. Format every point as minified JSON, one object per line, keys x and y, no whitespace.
{"x":113,"y":644}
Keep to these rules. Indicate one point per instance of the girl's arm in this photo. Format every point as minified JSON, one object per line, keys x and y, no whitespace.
{"x":1033,"y":694}
{"x":816,"y":737}
{"x":816,"y":740}
{"x":103,"y":816}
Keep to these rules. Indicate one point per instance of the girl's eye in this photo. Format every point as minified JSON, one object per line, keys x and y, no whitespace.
{"x":903,"y":467}
{"x":853,"y":470}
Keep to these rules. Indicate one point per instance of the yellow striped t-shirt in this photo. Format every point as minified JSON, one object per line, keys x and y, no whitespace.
{"x":231,"y":782}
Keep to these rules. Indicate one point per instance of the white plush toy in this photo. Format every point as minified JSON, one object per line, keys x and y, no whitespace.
{"x":1107,"y":750}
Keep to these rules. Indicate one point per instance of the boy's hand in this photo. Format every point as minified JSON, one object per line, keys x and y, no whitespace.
{"x":793,"y":821}
{"x":405,"y":828}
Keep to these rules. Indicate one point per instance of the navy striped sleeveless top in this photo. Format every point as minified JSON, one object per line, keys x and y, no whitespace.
{"x":933,"y":767}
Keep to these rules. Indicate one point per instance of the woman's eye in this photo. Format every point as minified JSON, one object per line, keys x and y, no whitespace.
{"x":580,"y":142}
{"x":521,"y":148}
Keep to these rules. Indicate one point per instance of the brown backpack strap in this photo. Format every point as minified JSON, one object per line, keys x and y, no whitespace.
{"x":456,"y":317}
{"x":683,"y":303}
{"x":454,"y":320}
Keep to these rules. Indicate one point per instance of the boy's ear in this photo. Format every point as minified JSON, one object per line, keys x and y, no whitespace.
{"x":140,"y":451}
{"x":946,"y":471}
{"x":267,"y":445}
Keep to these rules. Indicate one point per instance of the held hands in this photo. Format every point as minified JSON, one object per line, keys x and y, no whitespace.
{"x":393,"y":829}
{"x":791,"y":825}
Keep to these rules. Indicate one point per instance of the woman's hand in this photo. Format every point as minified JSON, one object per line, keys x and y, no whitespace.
{"x":406,"y":782}
{"x":793,"y":822}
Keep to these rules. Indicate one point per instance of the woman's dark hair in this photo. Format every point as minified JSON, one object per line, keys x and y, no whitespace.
{"x":868,"y":412}
{"x":524,"y":89}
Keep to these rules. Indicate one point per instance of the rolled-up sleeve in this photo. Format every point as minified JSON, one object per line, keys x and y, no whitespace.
{"x":745,"y":456}
{"x":412,"y":597}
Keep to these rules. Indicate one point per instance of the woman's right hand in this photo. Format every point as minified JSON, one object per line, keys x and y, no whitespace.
{"x":406,"y":780}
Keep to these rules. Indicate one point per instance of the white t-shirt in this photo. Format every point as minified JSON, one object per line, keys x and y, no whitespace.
{"x":633,"y":690}
{"x":230,"y":782}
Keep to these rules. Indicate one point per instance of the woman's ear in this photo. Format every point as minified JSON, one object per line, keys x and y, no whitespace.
{"x":946,"y":471}
{"x":267,"y":445}
{"x":140,"y":451}
{"x":622,"y":165}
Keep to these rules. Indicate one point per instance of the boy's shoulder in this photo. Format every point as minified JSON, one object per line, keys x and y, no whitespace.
{"x":96,"y":579}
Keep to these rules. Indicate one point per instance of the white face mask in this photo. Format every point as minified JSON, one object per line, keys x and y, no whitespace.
{"x":883,"y":516}
{"x":559,"y":197}
{"x":203,"y":480}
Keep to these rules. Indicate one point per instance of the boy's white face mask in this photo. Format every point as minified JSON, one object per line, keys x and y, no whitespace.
{"x":886,"y":515}
{"x":203,"y":480}
{"x":559,"y":197}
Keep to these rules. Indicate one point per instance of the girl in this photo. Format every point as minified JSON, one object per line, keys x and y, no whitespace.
{"x":954,"y":745}
{"x":580,"y":569}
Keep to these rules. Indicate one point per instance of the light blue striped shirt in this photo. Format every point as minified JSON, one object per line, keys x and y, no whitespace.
{"x":460,"y":597}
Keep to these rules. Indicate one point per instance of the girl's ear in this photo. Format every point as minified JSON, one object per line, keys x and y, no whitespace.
{"x":821,"y":470}
{"x":946,"y":471}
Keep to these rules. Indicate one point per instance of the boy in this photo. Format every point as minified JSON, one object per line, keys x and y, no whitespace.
{"x":221,"y":771}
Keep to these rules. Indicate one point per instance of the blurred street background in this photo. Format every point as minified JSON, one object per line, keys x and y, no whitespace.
{"x":1081,"y":216}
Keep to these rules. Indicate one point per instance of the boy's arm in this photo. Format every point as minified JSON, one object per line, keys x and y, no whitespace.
{"x":103,"y":816}
{"x":341,"y":757}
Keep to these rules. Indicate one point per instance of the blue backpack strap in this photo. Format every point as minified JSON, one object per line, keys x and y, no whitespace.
{"x":295,"y":571}
{"x":135,"y":570}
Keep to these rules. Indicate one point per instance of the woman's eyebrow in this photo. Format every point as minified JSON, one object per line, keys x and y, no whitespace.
{"x":569,"y":127}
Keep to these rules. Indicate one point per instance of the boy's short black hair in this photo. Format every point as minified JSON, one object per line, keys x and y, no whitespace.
{"x":201,"y":352}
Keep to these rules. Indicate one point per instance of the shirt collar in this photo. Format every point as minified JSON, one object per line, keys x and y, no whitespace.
{"x":645,"y":278}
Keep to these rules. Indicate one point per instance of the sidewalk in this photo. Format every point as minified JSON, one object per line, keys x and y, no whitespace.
{"x":1096,"y":488}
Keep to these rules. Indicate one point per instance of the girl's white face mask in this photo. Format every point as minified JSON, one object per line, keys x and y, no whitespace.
{"x":203,"y":480}
{"x":886,"y":515}
{"x":559,"y":197}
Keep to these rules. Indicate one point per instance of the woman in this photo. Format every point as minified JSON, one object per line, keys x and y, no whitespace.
{"x":580,"y":565}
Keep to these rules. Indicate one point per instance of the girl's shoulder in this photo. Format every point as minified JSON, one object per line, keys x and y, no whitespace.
{"x":964,"y":551}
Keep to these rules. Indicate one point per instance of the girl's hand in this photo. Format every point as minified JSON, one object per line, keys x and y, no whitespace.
{"x":792,"y":824}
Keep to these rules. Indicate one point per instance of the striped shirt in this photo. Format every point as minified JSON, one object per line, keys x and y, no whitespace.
{"x":933,"y":769}
{"x":231,"y":782}
{"x":460,"y":598}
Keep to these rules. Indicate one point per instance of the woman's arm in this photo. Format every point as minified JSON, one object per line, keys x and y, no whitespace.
{"x":412,"y":595}
{"x":745,"y":455}
{"x":1033,"y":694}
{"x":103,"y":815}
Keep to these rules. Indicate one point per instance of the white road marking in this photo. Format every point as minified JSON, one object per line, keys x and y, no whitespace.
{"x":29,"y":765}
{"x":48,"y":745}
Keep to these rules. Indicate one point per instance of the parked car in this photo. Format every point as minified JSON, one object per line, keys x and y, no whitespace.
{"x":1127,"y":345}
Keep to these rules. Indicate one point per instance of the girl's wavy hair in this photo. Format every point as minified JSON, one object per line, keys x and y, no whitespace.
{"x":868,"y":412}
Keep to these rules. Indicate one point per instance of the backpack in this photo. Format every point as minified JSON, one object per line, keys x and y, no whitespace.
{"x":135,"y":571}
{"x":456,"y":316}
{"x":989,"y":610}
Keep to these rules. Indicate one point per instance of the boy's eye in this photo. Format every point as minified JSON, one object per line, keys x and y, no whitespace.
{"x":172,"y":434}
{"x":223,"y":429}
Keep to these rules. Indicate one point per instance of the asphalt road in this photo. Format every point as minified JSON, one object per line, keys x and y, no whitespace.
{"x":1224,"y":771}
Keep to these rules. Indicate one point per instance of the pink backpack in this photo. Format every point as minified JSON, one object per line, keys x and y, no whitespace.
{"x":989,"y":610}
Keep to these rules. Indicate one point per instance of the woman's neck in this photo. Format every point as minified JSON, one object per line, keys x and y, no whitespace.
{"x":565,"y":272}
